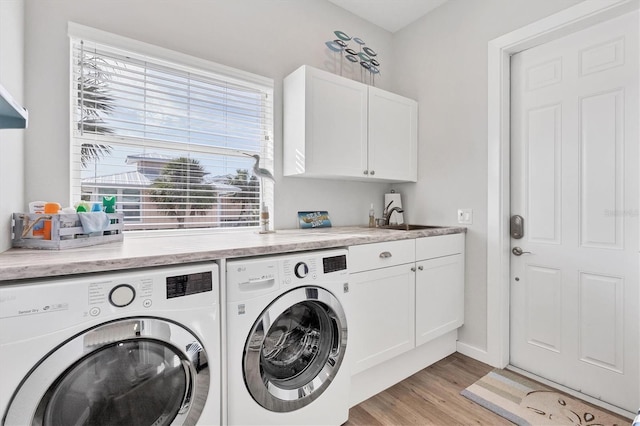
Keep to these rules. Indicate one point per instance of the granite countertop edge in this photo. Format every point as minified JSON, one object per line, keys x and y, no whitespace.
{"x":142,"y":252}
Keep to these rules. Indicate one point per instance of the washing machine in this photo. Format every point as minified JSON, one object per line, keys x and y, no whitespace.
{"x":287,"y":339}
{"x":125,"y":348}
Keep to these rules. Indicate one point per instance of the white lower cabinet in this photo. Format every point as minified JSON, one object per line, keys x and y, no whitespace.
{"x":383,"y":315}
{"x":439,"y":297}
{"x":406,"y":293}
{"x":439,"y":286}
{"x":382,"y":285}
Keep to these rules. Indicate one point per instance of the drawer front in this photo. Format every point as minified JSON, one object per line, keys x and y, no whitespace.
{"x":438,"y":246}
{"x":381,"y":255}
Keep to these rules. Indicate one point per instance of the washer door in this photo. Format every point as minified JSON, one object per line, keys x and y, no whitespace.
{"x":295,"y":349}
{"x":142,"y":371}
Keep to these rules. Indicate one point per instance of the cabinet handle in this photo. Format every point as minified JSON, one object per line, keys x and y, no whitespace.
{"x":372,"y":172}
{"x":413,"y":269}
{"x":385,"y":255}
{"x":421,"y":268}
{"x":366,"y":172}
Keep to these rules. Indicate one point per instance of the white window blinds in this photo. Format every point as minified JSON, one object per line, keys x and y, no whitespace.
{"x":171,"y":141}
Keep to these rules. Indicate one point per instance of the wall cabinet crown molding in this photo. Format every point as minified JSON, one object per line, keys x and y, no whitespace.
{"x":338,"y":128}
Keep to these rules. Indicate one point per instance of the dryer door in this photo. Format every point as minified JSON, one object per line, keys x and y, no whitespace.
{"x":295,"y":349}
{"x":142,"y":371}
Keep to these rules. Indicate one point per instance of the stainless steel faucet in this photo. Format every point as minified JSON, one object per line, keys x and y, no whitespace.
{"x":388,"y":214}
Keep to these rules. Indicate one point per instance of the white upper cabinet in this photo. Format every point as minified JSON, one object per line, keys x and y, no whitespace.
{"x":335,"y":127}
{"x":393,"y":136}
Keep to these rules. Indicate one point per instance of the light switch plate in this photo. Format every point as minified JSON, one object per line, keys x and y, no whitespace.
{"x":465,"y":216}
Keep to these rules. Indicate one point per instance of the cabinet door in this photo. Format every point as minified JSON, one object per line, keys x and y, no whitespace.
{"x":382,"y":317}
{"x":439,"y":297}
{"x":393,"y":136}
{"x":325,"y":125}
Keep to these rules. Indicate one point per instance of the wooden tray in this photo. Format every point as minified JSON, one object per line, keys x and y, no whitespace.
{"x":66,"y":231}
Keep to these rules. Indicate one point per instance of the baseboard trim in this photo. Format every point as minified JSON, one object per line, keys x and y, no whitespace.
{"x":476,"y":353}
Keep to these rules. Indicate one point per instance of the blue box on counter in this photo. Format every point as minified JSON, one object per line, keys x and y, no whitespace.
{"x":319,"y":219}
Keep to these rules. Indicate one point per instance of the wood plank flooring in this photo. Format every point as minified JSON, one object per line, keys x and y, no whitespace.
{"x":430,"y":397}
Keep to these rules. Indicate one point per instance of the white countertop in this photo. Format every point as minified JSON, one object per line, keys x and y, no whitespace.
{"x":147,"y":251}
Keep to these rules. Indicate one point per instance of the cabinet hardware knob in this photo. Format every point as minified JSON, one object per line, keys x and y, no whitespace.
{"x":421,"y":268}
{"x":385,"y":255}
{"x":413,"y":269}
{"x":366,"y":172}
{"x":372,"y":172}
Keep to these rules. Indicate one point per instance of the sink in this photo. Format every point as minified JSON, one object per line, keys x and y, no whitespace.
{"x":410,"y":227}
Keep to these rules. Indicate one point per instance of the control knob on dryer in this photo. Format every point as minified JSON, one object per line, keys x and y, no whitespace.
{"x":301,"y":269}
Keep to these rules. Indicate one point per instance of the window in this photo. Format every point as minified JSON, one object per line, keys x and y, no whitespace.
{"x":169,"y":134}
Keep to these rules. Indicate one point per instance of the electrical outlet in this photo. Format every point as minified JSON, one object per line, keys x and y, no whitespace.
{"x":465,"y":216}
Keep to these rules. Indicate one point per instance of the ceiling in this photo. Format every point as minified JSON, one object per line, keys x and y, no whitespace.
{"x":392,"y":15}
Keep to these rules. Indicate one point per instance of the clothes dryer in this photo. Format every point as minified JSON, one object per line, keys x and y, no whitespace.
{"x":287,"y":339}
{"x":138,"y":347}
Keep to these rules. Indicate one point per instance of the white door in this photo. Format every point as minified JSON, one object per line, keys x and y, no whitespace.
{"x":574,"y":180}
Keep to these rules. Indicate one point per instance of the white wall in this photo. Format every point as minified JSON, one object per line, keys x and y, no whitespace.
{"x":271,"y":38}
{"x":442,"y":60}
{"x":11,"y":140}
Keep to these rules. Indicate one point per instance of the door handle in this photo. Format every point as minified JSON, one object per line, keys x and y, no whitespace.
{"x":518,"y":251}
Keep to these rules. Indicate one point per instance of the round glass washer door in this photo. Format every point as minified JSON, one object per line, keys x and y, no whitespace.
{"x":142,"y":371}
{"x":295,"y":349}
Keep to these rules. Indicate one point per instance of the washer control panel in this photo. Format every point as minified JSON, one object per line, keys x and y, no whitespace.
{"x":313,"y":266}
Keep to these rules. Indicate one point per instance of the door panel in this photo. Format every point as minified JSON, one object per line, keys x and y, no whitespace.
{"x":543,"y":151}
{"x":574,"y":178}
{"x":601,"y":320}
{"x":602,"y":170}
{"x":543,"y":307}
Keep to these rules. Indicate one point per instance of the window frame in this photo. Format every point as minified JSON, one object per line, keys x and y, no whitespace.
{"x":181,"y":62}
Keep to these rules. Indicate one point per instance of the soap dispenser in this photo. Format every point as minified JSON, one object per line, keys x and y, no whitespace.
{"x":372,"y":217}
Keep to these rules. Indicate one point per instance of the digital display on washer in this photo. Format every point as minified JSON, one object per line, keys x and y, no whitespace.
{"x":184,"y":285}
{"x":334,"y":263}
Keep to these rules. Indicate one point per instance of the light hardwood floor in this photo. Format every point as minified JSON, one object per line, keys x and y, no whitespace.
{"x":431,"y":397}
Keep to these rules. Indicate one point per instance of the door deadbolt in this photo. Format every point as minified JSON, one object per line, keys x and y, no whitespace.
{"x":517,"y":227}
